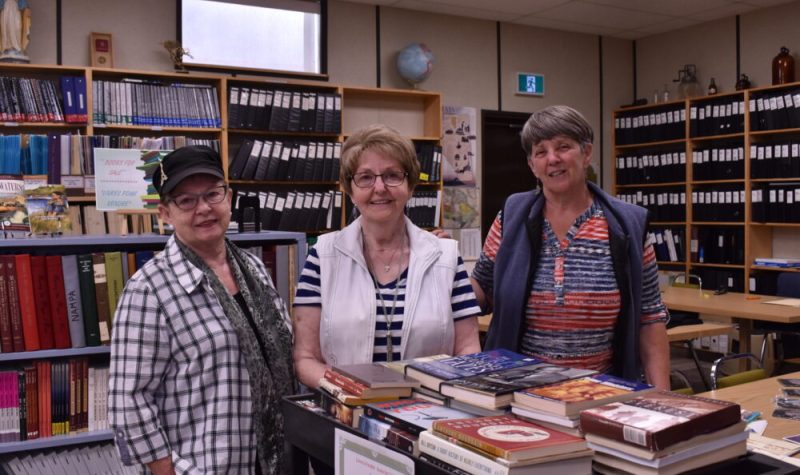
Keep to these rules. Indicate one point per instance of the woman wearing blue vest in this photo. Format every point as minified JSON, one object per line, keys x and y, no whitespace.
{"x":381,"y":289}
{"x":567,"y":269}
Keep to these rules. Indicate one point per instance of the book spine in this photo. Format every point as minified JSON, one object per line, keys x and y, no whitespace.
{"x":347,"y":384}
{"x":6,"y":344}
{"x":58,"y":302}
{"x":86,"y":280}
{"x":394,"y":421}
{"x":72,"y":292}
{"x":27,"y":304}
{"x":17,"y":337}
{"x":459,"y":457}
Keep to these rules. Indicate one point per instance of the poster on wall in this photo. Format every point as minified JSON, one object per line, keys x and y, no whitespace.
{"x":461,"y":208}
{"x":459,"y":145}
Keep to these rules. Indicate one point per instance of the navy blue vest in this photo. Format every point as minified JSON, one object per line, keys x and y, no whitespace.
{"x":518,"y":257}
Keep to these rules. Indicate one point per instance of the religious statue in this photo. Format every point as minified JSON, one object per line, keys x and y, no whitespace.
{"x":176,"y":53}
{"x":15,"y":28}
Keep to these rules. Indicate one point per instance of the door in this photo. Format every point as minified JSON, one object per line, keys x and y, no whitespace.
{"x":504,"y":167}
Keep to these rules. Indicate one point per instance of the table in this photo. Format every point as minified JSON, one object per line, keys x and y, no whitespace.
{"x":742,"y":308}
{"x":757,"y":396}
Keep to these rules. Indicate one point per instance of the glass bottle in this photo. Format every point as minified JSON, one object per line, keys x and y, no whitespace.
{"x":712,"y":87}
{"x":783,"y":67}
{"x":665,"y":94}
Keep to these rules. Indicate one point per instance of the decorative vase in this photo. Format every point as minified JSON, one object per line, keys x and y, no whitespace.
{"x":783,"y":67}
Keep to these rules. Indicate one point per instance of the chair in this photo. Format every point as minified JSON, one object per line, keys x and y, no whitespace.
{"x":679,"y":377}
{"x":721,"y":377}
{"x":788,"y":285}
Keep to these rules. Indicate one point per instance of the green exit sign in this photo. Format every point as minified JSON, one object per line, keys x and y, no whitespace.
{"x":530,"y":84}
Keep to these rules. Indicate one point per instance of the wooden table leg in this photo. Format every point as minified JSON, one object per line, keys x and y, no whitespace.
{"x":745,"y":331}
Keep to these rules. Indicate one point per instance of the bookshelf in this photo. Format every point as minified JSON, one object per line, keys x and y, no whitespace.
{"x":69,"y":245}
{"x":738,"y":169}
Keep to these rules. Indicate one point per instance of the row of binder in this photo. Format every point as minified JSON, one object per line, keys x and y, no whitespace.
{"x":776,"y":203}
{"x":724,"y":115}
{"x":664,"y":205}
{"x":731,"y":280}
{"x":718,"y":163}
{"x":430,"y":161}
{"x":717,"y":245}
{"x":307,"y":211}
{"x":651,"y":167}
{"x":775,"y":160}
{"x":771,"y":110}
{"x":143,"y":102}
{"x":657,"y":125}
{"x":423,"y":209}
{"x":284,"y":111}
{"x":721,"y":203}
{"x":33,"y":100}
{"x":275,"y":160}
{"x":764,"y":283}
{"x":668,"y":244}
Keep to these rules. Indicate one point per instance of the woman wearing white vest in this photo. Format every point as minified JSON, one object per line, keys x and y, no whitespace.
{"x":381,"y":289}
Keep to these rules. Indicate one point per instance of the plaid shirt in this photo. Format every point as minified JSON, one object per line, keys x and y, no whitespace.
{"x":179,"y":386}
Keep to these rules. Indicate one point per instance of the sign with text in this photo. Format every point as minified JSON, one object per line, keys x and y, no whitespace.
{"x":118,"y":183}
{"x":530,"y":84}
{"x":357,"y":456}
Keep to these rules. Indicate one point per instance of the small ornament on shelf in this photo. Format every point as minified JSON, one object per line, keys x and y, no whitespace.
{"x":783,"y":67}
{"x":743,"y":83}
{"x":712,"y":87}
{"x":176,"y":54}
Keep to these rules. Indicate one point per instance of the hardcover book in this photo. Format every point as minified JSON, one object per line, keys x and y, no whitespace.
{"x":347,"y":398}
{"x":412,"y":415}
{"x":357,"y":389}
{"x":568,"y":398}
{"x":495,"y":389}
{"x":659,"y":419}
{"x":432,"y":373}
{"x":375,"y":375}
{"x":509,"y":438}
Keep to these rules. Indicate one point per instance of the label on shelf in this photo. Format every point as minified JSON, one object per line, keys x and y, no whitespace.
{"x":72,"y":181}
{"x":88,"y":184}
{"x":11,"y":124}
{"x":157,"y":128}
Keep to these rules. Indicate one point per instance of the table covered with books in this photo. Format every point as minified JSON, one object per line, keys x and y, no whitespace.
{"x":501,"y":413}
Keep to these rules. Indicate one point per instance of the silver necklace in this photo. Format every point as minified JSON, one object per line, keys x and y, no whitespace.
{"x":388,"y":314}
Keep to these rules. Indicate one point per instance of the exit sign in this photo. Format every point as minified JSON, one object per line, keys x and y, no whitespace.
{"x":530,"y":84}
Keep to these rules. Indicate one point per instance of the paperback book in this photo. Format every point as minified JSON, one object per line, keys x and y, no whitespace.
{"x":432,"y":373}
{"x":412,"y":415}
{"x":493,"y":390}
{"x":568,"y":398}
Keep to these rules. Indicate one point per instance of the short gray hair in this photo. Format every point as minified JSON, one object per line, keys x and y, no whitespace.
{"x":554,"y":121}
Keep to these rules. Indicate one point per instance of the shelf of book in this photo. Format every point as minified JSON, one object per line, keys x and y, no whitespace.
{"x":61,"y":353}
{"x":754,"y":135}
{"x":56,"y":441}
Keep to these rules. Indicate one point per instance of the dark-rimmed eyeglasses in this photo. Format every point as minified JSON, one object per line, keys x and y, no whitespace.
{"x":188,"y":201}
{"x":390,"y":178}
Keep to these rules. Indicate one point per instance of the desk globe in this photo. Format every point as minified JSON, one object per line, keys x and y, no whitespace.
{"x":415,"y":63}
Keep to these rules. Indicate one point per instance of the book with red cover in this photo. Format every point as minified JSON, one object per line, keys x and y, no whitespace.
{"x":6,"y":344}
{"x":373,"y":375}
{"x":510,"y":438}
{"x":41,"y":294}
{"x":362,"y":391}
{"x":13,"y":303}
{"x":659,"y":419}
{"x":27,"y":302}
{"x":32,"y":398}
{"x":58,"y":302}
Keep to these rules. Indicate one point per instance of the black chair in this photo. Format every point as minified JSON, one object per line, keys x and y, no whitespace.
{"x":788,"y":285}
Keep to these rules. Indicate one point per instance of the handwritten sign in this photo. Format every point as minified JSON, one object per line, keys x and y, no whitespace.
{"x":118,"y":183}
{"x":355,"y":455}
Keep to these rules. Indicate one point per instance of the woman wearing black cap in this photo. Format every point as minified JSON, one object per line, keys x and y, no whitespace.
{"x":201,"y":349}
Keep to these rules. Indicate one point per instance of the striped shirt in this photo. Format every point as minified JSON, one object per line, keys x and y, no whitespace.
{"x":462,"y":303}
{"x":574,"y":301}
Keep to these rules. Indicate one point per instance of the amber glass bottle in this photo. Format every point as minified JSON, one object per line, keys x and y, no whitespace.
{"x":783,"y":67}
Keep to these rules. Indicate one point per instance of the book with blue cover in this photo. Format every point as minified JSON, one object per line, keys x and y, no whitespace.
{"x":412,"y":415}
{"x":431,"y":373}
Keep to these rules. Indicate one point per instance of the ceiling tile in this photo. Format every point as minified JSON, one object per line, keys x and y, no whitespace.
{"x":517,"y":7}
{"x":764,"y":3}
{"x":723,"y":12}
{"x":567,"y":26}
{"x":675,"y":8}
{"x":602,"y":16}
{"x":670,"y":25}
{"x":437,"y":7}
{"x":630,"y":35}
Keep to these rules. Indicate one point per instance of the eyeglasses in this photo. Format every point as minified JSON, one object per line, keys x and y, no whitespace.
{"x":188,"y":201}
{"x":390,"y":178}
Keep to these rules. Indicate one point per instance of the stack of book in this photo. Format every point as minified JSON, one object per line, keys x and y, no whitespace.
{"x":558,"y":406}
{"x":663,"y":433}
{"x":488,"y":392}
{"x":344,"y":390}
{"x":503,"y":445}
{"x":399,"y":423}
{"x":777,"y":262}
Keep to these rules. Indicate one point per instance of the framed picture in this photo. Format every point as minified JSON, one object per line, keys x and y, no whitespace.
{"x":101,"y":51}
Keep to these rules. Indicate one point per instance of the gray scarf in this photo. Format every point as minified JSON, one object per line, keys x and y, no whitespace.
{"x":271,"y":375}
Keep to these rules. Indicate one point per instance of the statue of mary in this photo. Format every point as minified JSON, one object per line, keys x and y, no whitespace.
{"x":15,"y":26}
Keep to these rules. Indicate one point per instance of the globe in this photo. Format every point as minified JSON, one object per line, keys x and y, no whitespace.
{"x":415,"y":63}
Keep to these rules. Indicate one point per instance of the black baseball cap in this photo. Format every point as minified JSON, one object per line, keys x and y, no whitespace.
{"x":185,"y":162}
